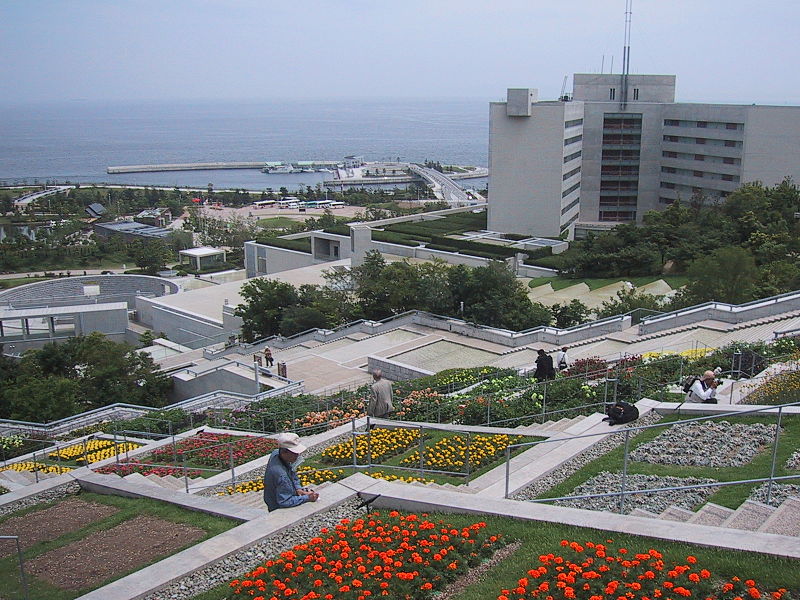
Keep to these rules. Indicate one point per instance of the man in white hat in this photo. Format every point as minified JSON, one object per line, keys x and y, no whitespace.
{"x":282,"y":488}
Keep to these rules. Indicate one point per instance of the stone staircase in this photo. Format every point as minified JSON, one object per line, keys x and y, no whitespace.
{"x":167,"y":481}
{"x":551,"y":427}
{"x":750,"y":516}
{"x":15,"y":480}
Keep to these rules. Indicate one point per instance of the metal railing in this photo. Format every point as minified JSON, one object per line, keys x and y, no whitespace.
{"x":23,"y":578}
{"x":624,"y":492}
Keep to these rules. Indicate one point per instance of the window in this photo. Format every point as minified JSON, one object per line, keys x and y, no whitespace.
{"x":728,"y":161}
{"x":669,"y":154}
{"x":572,"y":156}
{"x":733,"y":126}
{"x":730,"y":143}
{"x":635,"y":93}
{"x":702,"y":124}
{"x":671,"y":138}
{"x":672,"y":123}
{"x":570,"y":206}
{"x":570,"y":189}
{"x":569,"y":174}
{"x":573,"y":140}
{"x":573,"y":123}
{"x":668,"y":170}
{"x":700,"y":140}
{"x":668,"y":185}
{"x":697,"y":173}
{"x":612,"y":93}
{"x":663,"y":200}
{"x":699,"y":157}
{"x":727,"y":178}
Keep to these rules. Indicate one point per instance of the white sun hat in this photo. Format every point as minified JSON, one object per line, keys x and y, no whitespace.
{"x":291,"y":442}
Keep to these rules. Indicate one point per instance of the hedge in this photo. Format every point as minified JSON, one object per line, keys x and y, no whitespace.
{"x":301,"y":245}
{"x":393,"y":238}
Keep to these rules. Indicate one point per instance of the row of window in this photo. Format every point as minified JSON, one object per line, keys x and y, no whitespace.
{"x":573,"y":123}
{"x":702,"y":141}
{"x":704,"y":124}
{"x":569,"y":174}
{"x":620,"y":170}
{"x":570,"y":189}
{"x":573,"y":140}
{"x":703,"y":174}
{"x":571,"y":220}
{"x":629,"y":154}
{"x":725,"y":160}
{"x":612,"y":93}
{"x":606,"y":184}
{"x":690,"y":190}
{"x":572,"y":156}
{"x":617,"y":215}
{"x":618,"y":201}
{"x":571,"y":205}
{"x":621,"y":139}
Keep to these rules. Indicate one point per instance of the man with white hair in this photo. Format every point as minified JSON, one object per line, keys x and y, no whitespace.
{"x":380,"y":405}
{"x":704,"y":389}
{"x":282,"y":487}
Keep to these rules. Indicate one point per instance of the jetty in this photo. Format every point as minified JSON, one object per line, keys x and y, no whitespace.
{"x":185,"y":167}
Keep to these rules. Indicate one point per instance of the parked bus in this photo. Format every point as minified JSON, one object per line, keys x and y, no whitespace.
{"x":333,"y":205}
{"x":288,"y":203}
{"x":263,"y":203}
{"x":316,"y":203}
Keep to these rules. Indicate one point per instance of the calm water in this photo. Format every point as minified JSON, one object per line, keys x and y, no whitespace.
{"x":77,"y":141}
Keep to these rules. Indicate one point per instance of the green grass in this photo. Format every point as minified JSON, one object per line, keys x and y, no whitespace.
{"x":128,"y":509}
{"x":559,"y":283}
{"x":276,"y":222}
{"x":729,"y":496}
{"x":543,"y":538}
{"x":11,"y":283}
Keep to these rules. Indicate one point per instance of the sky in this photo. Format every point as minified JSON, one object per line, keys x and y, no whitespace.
{"x":721,"y":50}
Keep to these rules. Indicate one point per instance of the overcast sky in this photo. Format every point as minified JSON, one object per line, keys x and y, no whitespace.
{"x":720,"y":50}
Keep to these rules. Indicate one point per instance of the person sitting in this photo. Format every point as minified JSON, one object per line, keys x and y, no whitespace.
{"x":282,"y":487}
{"x":621,"y":412}
{"x":704,"y":389}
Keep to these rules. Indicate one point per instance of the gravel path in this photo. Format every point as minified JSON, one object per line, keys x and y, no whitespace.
{"x":67,"y":489}
{"x":605,"y":482}
{"x":707,"y":444}
{"x":246,"y":560}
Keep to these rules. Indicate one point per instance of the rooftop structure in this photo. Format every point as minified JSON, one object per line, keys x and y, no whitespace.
{"x":621,"y":146}
{"x":203,"y":257}
{"x":130,"y":230}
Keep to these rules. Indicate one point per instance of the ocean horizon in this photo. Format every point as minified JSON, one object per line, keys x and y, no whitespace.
{"x":76,"y":141}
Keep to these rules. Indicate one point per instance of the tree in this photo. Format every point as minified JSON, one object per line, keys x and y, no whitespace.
{"x":262,"y":311}
{"x":627,"y":300}
{"x":151,"y":256}
{"x":567,"y":315}
{"x":726,"y":275}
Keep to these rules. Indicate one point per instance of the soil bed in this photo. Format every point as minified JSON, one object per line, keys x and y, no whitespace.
{"x":103,"y":554}
{"x":51,"y":523}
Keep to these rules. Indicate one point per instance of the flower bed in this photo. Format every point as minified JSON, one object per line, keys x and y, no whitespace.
{"x":450,"y":453}
{"x":80,"y":449}
{"x":31,"y":466}
{"x":596,"y":571}
{"x":214,"y":450}
{"x":122,"y":469}
{"x":393,"y":555}
{"x":380,"y":444}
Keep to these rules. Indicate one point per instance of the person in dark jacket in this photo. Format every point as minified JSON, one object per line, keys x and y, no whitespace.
{"x":544,"y":366}
{"x":621,"y":412}
{"x":282,"y":487}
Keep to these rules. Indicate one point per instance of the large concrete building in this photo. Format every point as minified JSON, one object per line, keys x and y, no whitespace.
{"x":618,"y":148}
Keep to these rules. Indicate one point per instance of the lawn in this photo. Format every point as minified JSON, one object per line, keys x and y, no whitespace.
{"x":730,"y":496}
{"x":61,"y":532}
{"x":541,"y":538}
{"x":277,"y":222}
{"x":10,"y":283}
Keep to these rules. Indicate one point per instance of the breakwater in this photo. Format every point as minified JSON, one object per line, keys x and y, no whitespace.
{"x":185,"y":167}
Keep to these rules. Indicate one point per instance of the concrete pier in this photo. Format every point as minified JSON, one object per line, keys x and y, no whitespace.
{"x":185,"y":167}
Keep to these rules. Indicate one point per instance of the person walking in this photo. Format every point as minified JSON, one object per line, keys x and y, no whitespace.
{"x":561,"y":359}
{"x":282,"y":487}
{"x":544,"y":366}
{"x":380,"y":404}
{"x":268,"y":357}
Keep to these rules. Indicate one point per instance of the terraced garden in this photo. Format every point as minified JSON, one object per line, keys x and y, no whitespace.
{"x":82,"y":542}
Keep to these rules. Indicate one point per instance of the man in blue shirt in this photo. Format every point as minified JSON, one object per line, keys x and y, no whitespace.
{"x":282,"y":488}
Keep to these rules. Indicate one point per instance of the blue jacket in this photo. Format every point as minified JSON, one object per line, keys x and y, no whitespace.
{"x":281,"y":484}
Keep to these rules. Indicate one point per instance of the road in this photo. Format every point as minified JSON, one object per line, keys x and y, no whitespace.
{"x":444,"y":188}
{"x":33,"y":196}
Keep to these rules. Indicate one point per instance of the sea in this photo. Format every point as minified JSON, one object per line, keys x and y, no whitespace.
{"x":76,"y":141}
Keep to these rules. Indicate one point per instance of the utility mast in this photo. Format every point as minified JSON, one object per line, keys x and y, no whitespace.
{"x":626,"y":55}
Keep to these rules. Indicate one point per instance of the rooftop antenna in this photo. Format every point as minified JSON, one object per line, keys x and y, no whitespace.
{"x":626,"y":54}
{"x":603,"y":65}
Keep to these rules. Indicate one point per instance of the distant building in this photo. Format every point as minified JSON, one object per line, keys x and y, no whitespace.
{"x":130,"y":230}
{"x":353,"y":161}
{"x":95,"y":210}
{"x":618,"y":149}
{"x":157,"y":217}
{"x":203,"y":257}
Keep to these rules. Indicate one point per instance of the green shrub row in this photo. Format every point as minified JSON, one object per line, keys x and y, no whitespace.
{"x":301,"y":245}
{"x":394,"y":238}
{"x":499,"y":252}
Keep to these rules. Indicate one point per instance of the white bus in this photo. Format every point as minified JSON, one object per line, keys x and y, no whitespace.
{"x":288,"y":203}
{"x":263,"y":203}
{"x":333,"y":205}
{"x":317,"y":203}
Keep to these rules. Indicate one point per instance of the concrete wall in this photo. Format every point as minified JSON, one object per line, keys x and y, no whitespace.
{"x":525,"y":168}
{"x":594,"y":87}
{"x":395,"y":371}
{"x":265,"y":260}
{"x":181,"y":326}
{"x":185,"y":386}
{"x":771,"y":144}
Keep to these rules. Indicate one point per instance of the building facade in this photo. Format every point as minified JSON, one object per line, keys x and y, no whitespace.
{"x":630,"y":149}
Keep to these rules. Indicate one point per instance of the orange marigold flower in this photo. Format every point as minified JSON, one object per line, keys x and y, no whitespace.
{"x":691,"y":560}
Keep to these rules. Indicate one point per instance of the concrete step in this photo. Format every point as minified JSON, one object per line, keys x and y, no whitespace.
{"x":640,"y":512}
{"x":676,"y":513}
{"x":140,"y":479}
{"x":20,"y":478}
{"x":785,"y":520}
{"x":561,"y":425}
{"x":176,"y":483}
{"x":574,"y":421}
{"x":711,"y":514}
{"x":12,"y":486}
{"x":749,"y":516}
